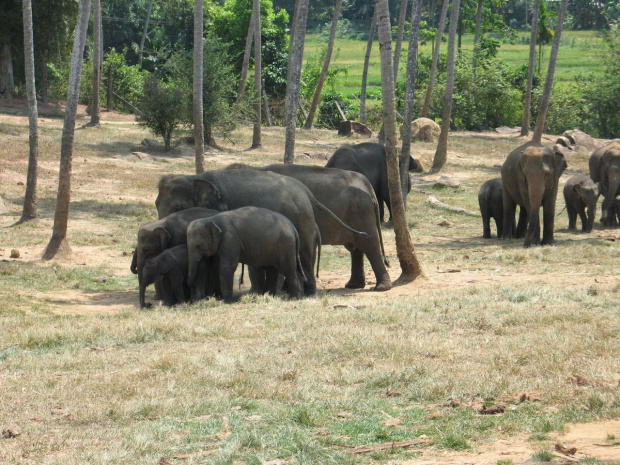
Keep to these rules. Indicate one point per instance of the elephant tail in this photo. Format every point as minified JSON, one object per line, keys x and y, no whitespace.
{"x":297,"y":259}
{"x":375,"y":203}
{"x":318,"y":259}
{"x":242,"y":270}
{"x":561,"y":211}
{"x":319,"y":206}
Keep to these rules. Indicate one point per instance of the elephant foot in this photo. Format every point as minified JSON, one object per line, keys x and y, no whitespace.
{"x":550,"y":242}
{"x":383,"y":286}
{"x":355,"y":284}
{"x":309,"y":289}
{"x":487,"y":236}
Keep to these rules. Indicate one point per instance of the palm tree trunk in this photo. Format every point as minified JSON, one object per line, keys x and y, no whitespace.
{"x":441,"y":154}
{"x":58,"y":243}
{"x":527,"y":107}
{"x":328,"y":56}
{"x":298,"y":35}
{"x":399,"y":37}
{"x":544,"y":102}
{"x":246,"y":57}
{"x":97,"y":63}
{"x":409,"y":263}
{"x":145,"y":31}
{"x":30,"y":199}
{"x":199,"y":141}
{"x":371,"y":34}
{"x":431,"y":79}
{"x":477,"y":32}
{"x":412,"y":69}
{"x":256,"y":136}
{"x":7,"y":83}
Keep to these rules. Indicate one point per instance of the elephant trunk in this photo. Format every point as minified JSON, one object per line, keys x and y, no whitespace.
{"x":193,"y":269}
{"x":535,"y":199}
{"x":590,"y":215}
{"x":134,"y":263}
{"x":613,"y":177}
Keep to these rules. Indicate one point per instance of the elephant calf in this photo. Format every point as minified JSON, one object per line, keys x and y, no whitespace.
{"x":254,"y":236}
{"x":490,"y":199}
{"x":170,"y":267}
{"x":581,"y":193}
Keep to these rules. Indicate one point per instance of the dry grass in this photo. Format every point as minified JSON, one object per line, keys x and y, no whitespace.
{"x":266,"y":378}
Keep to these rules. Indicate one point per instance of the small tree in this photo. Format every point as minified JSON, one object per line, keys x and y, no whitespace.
{"x":371,"y":35}
{"x":162,"y":108}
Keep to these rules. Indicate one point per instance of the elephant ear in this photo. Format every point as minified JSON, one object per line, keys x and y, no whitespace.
{"x":215,"y":234}
{"x":164,"y":266}
{"x":206,"y":194}
{"x":560,"y":164}
{"x":164,"y":237}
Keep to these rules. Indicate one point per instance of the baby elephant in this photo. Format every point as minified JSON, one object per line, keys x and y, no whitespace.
{"x":581,"y":193}
{"x":171,"y":267}
{"x":491,"y":206}
{"x":254,"y":236}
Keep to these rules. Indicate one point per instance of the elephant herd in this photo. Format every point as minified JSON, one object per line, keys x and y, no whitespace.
{"x":273,"y":219}
{"x":529,"y":179}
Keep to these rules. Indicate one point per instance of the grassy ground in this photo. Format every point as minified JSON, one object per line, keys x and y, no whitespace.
{"x":87,"y":378}
{"x":579,"y":53}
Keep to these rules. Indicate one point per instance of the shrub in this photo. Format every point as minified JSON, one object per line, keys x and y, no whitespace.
{"x":329,"y":117}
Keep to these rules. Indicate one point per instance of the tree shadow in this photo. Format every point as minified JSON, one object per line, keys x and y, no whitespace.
{"x":112,"y":149}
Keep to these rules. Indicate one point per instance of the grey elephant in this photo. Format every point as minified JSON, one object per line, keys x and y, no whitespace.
{"x":491,"y":202}
{"x":368,"y":159}
{"x":170,"y":269}
{"x":604,"y":167}
{"x":232,"y":189}
{"x":157,"y":236}
{"x":351,"y":197}
{"x":530,"y":177}
{"x":581,"y":193}
{"x":257,"y":237}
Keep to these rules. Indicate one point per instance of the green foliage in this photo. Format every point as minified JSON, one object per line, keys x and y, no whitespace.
{"x":328,"y":116}
{"x":312,"y":71}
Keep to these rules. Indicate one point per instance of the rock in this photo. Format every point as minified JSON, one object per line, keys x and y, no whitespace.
{"x":424,"y":161}
{"x":15,"y":253}
{"x":444,"y":223}
{"x":507,"y":130}
{"x":582,"y":141}
{"x":348,"y":128}
{"x":444,"y":181}
{"x":3,"y":209}
{"x":152,"y":143}
{"x":424,"y":130}
{"x":566,"y":142}
{"x":185,"y":151}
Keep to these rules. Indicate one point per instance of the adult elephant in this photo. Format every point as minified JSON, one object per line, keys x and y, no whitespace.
{"x":368,"y":159}
{"x":604,"y":167}
{"x":351,"y":197}
{"x":232,"y":189}
{"x":530,"y":178}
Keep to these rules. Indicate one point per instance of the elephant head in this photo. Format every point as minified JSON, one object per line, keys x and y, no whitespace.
{"x":203,"y":240}
{"x":152,"y":271}
{"x":206,"y":195}
{"x":151,"y":242}
{"x":176,"y":193}
{"x":589,"y":194}
{"x":610,"y":180}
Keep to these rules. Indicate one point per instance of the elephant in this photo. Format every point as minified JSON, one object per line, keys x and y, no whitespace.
{"x":368,"y":159}
{"x":231,"y":189}
{"x":530,"y":177}
{"x":490,"y":199}
{"x":254,"y":236}
{"x":156,"y":236}
{"x":580,"y":192}
{"x":351,"y":197}
{"x":604,"y":167}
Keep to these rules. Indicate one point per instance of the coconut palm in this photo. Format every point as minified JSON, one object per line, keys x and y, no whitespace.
{"x":256,"y":134}
{"x":199,"y":141}
{"x":527,"y":107}
{"x":431,"y":79}
{"x":371,"y":35}
{"x":97,"y":63}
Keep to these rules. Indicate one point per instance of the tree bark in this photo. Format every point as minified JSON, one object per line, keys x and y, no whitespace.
{"x":146,"y":30}
{"x":298,"y":35}
{"x":256,"y":135}
{"x":199,"y":141}
{"x":328,"y":56}
{"x":30,"y":199}
{"x":409,"y":263}
{"x":544,"y":101}
{"x":527,"y":107}
{"x":246,"y":57}
{"x":58,"y":243}
{"x":7,"y":83}
{"x":97,"y":63}
{"x":431,"y":79}
{"x":371,"y":34}
{"x":110,"y":98}
{"x":399,"y":37}
{"x":477,"y":32}
{"x":44,"y":85}
{"x":441,"y":154}
{"x":267,"y":110}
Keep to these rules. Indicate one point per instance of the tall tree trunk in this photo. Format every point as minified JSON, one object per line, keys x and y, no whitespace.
{"x":7,"y":83}
{"x":328,"y":56}
{"x":298,"y":35}
{"x":97,"y":63}
{"x":199,"y":141}
{"x":527,"y":107}
{"x":145,"y":31}
{"x":412,"y":69}
{"x":246,"y":57}
{"x":58,"y":243}
{"x":477,"y":32}
{"x":399,"y":38}
{"x":371,"y":35}
{"x":256,"y":136}
{"x":409,"y":263}
{"x":544,"y":101}
{"x":30,"y":199}
{"x":44,"y":85}
{"x":441,"y":154}
{"x":431,"y":79}
{"x":459,"y":34}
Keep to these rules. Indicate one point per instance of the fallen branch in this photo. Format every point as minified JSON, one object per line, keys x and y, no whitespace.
{"x":387,"y":445}
{"x":435,"y":202}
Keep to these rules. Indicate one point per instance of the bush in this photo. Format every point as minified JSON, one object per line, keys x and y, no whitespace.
{"x":329,"y":116}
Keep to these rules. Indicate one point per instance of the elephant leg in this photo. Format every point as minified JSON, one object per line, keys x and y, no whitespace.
{"x":258,"y":279}
{"x":158,"y":291}
{"x":271,"y":282}
{"x":358,"y":278}
{"x":522,"y":223}
{"x":177,"y":285}
{"x":549,"y":218}
{"x":381,"y":207}
{"x":384,"y":282}
{"x":167,"y":294}
{"x":584,"y":219}
{"x":509,"y":215}
{"x":499,"y":225}
{"x":307,"y":256}
{"x":227,"y":273}
{"x":572,"y":217}
{"x":486,"y":225}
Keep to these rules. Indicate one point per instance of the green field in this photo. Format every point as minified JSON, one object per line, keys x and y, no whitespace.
{"x":580,"y":53}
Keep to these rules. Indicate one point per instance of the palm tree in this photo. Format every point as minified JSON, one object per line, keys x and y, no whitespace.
{"x":256,"y":135}
{"x":371,"y":34}
{"x":97,"y":62}
{"x":544,"y":101}
{"x":145,"y":31}
{"x":296,"y":52}
{"x":199,"y":141}
{"x":58,"y":243}
{"x":477,"y":32}
{"x":328,"y":56}
{"x":441,"y":154}
{"x":399,"y":37}
{"x":407,"y":257}
{"x":431,"y":79}
{"x":545,"y":33}
{"x":525,"y":126}
{"x":30,"y":199}
{"x":246,"y":57}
